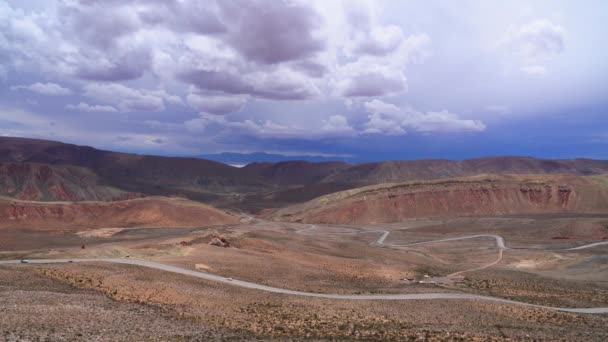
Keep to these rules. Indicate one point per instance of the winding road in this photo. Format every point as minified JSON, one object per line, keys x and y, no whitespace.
{"x":499,"y":240}
{"x":249,"y":285}
{"x":500,"y":244}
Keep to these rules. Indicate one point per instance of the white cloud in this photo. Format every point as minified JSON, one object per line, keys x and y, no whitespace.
{"x":380,"y":124}
{"x":51,"y":89}
{"x":217,"y":47}
{"x":537,"y":39}
{"x":85,"y":107}
{"x":359,"y":81}
{"x":534,"y":43}
{"x":216,"y":104}
{"x":386,"y":118}
{"x":381,"y":75}
{"x":534,"y":69}
{"x":334,"y":126}
{"x":380,"y":41}
{"x":279,"y":84}
{"x":214,"y":57}
{"x":442,"y":121}
{"x":337,"y":125}
{"x":378,"y":106}
{"x":169,"y":98}
{"x":124,"y":98}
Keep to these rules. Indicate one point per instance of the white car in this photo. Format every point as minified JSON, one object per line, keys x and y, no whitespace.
{"x":229,"y":279}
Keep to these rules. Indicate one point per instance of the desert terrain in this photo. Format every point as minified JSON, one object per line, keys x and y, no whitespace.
{"x":540,"y":265}
{"x":294,"y":253}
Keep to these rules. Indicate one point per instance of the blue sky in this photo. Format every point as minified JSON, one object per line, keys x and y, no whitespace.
{"x":356,"y":80}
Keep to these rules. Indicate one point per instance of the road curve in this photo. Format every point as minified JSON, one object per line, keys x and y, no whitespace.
{"x":500,"y":245}
{"x":246,"y":284}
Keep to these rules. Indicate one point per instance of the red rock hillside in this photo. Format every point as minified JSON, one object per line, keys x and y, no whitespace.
{"x":143,"y":212}
{"x":472,"y":196}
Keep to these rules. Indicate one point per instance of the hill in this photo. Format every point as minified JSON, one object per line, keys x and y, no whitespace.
{"x":144,"y":212}
{"x":232,"y":158}
{"x":399,"y":171}
{"x":43,"y":182}
{"x":189,"y":177}
{"x":50,"y":170}
{"x":470,"y":196}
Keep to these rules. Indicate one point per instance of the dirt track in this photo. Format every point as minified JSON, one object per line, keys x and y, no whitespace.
{"x":500,"y":244}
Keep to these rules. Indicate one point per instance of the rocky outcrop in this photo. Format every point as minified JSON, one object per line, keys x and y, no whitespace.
{"x":219,"y":241}
{"x":474,"y":196}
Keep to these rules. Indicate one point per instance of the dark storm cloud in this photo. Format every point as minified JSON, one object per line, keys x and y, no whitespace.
{"x":197,"y":16}
{"x":165,"y":66}
{"x":374,"y":84}
{"x":96,"y":24}
{"x":311,"y":69}
{"x":280,"y":87}
{"x":216,"y":104}
{"x":272,"y":31}
{"x":285,"y":89}
{"x":130,"y":66}
{"x":104,"y":33}
{"x":223,"y":81}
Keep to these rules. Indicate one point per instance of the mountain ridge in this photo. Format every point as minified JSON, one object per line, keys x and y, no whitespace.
{"x":254,"y":187}
{"x":480,"y":195}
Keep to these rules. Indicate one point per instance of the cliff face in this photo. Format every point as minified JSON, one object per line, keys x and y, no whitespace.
{"x":144,"y":212}
{"x":474,"y":196}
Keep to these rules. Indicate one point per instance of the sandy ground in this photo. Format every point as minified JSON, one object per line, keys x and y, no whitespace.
{"x":336,"y":259}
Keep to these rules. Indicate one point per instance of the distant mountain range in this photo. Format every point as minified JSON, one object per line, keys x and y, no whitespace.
{"x":43,"y":170}
{"x":241,"y":159}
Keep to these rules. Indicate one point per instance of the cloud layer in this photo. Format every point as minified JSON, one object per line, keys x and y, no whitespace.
{"x":185,"y":75}
{"x":51,"y":89}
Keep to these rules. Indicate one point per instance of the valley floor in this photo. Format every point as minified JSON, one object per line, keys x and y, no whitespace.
{"x":538,"y":263}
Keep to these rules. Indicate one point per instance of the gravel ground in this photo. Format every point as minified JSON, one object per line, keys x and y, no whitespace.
{"x":36,"y":308}
{"x":114,"y":302}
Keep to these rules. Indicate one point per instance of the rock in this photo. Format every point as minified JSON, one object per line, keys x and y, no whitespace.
{"x":219,"y":242}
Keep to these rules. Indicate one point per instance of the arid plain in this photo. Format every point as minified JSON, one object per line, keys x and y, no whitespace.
{"x":273,"y":254}
{"x":536,"y":267}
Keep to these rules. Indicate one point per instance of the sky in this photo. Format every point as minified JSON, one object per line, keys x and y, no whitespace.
{"x":348,"y":79}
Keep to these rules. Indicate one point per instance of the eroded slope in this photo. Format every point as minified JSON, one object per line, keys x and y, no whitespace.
{"x":41,"y":182}
{"x":143,"y":212}
{"x":471,"y":196}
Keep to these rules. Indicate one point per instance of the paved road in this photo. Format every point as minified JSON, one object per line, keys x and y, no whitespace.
{"x":500,"y":244}
{"x":499,"y":240}
{"x":591,"y":245}
{"x":246,"y":284}
{"x":382,"y":237}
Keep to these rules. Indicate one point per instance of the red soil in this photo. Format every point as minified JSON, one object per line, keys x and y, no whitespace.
{"x":474,"y":196}
{"x":145,"y":212}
